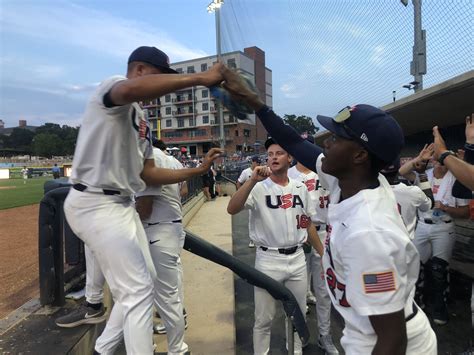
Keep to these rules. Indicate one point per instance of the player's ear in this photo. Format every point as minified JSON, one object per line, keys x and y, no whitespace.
{"x":361,"y":156}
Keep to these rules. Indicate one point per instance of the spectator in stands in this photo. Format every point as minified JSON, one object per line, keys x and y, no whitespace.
{"x":56,"y":171}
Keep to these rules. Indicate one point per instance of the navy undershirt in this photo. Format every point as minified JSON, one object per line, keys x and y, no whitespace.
{"x":286,"y":136}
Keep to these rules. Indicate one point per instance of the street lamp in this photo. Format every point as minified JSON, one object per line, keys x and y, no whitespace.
{"x":215,"y":7}
{"x":394,"y":94}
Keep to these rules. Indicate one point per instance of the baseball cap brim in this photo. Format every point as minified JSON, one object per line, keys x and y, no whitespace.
{"x":333,"y":126}
{"x":167,"y":70}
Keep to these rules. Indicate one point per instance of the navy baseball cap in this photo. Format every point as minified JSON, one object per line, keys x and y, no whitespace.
{"x":269,"y":142}
{"x":374,"y":129}
{"x":256,"y":159}
{"x":153,"y":56}
{"x":392,"y":168}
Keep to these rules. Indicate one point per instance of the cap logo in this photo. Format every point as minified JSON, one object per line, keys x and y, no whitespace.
{"x":364,"y":137}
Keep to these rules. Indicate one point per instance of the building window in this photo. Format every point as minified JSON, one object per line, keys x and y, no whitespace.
{"x":204,"y":67}
{"x":173,"y":134}
{"x":190,"y":69}
{"x":167,"y":98}
{"x":205,"y":106}
{"x":169,"y":123}
{"x":168,"y":110}
{"x":191,"y":122}
{"x":205,"y":93}
{"x":246,"y":132}
{"x":231,"y":63}
{"x":180,"y":122}
{"x":179,"y":70}
{"x":197,"y":133}
{"x":236,"y":132}
{"x":205,"y":119}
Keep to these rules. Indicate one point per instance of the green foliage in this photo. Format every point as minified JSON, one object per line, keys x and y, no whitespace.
{"x":48,"y":140}
{"x":301,"y":124}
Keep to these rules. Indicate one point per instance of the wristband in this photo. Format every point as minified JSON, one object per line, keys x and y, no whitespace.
{"x":444,"y":155}
{"x":424,"y":185}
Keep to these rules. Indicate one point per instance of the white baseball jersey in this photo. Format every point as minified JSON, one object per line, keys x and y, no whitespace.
{"x":112,"y":144}
{"x":442,"y":189}
{"x":370,"y":264}
{"x":280,"y":214}
{"x":410,"y":199}
{"x":318,"y":194}
{"x":245,"y":175}
{"x":24,"y":172}
{"x":167,"y":201}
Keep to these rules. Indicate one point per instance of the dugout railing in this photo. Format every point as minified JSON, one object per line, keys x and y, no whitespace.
{"x":56,"y":238}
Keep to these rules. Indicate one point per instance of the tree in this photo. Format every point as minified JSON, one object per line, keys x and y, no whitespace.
{"x":47,"y":145}
{"x":301,"y":124}
{"x":20,"y":138}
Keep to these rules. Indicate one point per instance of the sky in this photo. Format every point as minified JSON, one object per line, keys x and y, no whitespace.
{"x":324,"y":54}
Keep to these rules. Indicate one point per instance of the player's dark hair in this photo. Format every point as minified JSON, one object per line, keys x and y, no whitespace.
{"x":132,"y":66}
{"x":158,"y":143}
{"x":376,"y":164}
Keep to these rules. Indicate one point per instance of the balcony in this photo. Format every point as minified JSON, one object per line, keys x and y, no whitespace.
{"x":182,"y":113}
{"x":184,"y":99}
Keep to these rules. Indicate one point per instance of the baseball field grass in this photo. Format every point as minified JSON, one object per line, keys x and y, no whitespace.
{"x":15,"y":193}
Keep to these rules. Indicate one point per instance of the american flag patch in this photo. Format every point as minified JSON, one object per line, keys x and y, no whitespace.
{"x":379,"y":282}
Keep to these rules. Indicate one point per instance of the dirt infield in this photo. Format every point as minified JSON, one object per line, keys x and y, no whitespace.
{"x":18,"y":257}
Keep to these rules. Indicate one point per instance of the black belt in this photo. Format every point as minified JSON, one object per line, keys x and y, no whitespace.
{"x":175,"y":221}
{"x":81,"y":187}
{"x":430,"y":221}
{"x":318,"y":228}
{"x":415,"y":312}
{"x":286,"y":251}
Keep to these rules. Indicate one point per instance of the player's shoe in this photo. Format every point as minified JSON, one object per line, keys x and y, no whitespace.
{"x":251,"y":244}
{"x":82,"y":315}
{"x":325,"y":342}
{"x":310,"y":299}
{"x":440,"y":317}
{"x":161,"y":329}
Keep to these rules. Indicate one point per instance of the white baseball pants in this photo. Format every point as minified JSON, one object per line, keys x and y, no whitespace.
{"x":290,"y":270}
{"x":323,"y":301}
{"x":166,"y":242}
{"x":94,"y":278}
{"x":435,"y":240}
{"x":111,"y":228}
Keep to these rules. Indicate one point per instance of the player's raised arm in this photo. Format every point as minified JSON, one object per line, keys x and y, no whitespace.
{"x":237,"y":202}
{"x":153,"y":175}
{"x":285,"y":135}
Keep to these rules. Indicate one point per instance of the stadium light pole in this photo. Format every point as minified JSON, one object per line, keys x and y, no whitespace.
{"x":418,"y":64}
{"x":214,"y":7}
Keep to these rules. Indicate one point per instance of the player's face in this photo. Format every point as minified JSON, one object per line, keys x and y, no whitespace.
{"x":337,"y":155}
{"x":278,"y":159}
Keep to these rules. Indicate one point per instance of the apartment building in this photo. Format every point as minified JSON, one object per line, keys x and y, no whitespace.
{"x":189,"y":118}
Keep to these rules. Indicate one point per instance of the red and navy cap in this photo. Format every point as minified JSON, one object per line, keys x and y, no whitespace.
{"x":153,"y":56}
{"x":374,"y":129}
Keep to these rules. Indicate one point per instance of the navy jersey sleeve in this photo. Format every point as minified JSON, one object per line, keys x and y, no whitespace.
{"x":302,"y":150}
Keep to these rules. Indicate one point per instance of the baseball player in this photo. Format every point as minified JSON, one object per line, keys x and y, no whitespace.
{"x":244,"y":176}
{"x":320,"y":199}
{"x":161,"y":213}
{"x":114,"y":160}
{"x":410,"y":199}
{"x":24,"y":173}
{"x":369,"y":262}
{"x":281,"y":211}
{"x":435,"y":233}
